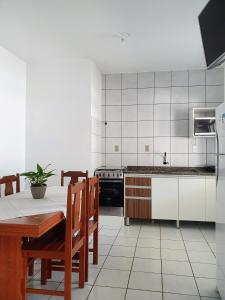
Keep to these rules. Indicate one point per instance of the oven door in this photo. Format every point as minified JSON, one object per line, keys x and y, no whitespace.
{"x":111,"y":192}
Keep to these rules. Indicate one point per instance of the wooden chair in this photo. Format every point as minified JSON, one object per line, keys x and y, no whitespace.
{"x":63,"y":247}
{"x":73,"y":175}
{"x":8,"y":182}
{"x":92,"y":216}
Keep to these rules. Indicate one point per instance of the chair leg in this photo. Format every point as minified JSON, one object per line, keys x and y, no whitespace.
{"x":43,"y":271}
{"x":68,"y":279}
{"x":24,"y":279}
{"x":49,"y":269}
{"x":31,"y":268}
{"x":95,"y":247}
{"x":86,"y":258}
{"x":82,"y":269}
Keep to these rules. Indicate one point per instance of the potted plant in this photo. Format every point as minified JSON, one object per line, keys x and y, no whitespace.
{"x":38,"y":181}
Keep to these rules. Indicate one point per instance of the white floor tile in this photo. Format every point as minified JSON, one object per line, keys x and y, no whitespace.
{"x":113,"y":278}
{"x":179,"y":284}
{"x":100,"y":293}
{"x":171,"y":235}
{"x":170,"y":254}
{"x":108,"y":232}
{"x":147,"y":265}
{"x":149,"y":234}
{"x":202,"y":257}
{"x":167,"y":296}
{"x":176,"y":268}
{"x":101,"y":260}
{"x":122,"y":251}
{"x":197,"y":246}
{"x":204,"y":270}
{"x":142,"y":295}
{"x":152,"y":243}
{"x":106,"y":240}
{"x":126,"y":241}
{"x":170,"y":244}
{"x":118,"y":263}
{"x":77,"y":293}
{"x":207,"y":287}
{"x":104,"y":249}
{"x":147,"y":253}
{"x":145,"y":281}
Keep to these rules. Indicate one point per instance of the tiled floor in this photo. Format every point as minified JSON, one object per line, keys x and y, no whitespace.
{"x":147,"y":261}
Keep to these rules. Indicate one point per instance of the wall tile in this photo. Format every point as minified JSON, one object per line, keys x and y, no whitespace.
{"x":103,"y":97}
{"x":113,"y":97}
{"x":103,"y":81}
{"x":145,"y":159}
{"x":179,"y":112}
{"x":180,"y":78}
{"x":197,"y":77}
{"x":113,"y":129}
{"x":129,"y":96}
{"x":162,"y":95}
{"x":215,"y":93}
{"x":111,"y":143}
{"x":197,"y":160}
{"x":129,"y":113}
{"x":213,"y":104}
{"x":129,"y":145}
{"x":113,"y":160}
{"x":211,"y":145}
{"x":146,"y":96}
{"x":129,"y":80}
{"x":179,"y":145}
{"x":145,"y":79}
{"x":161,"y":144}
{"x":197,"y":94}
{"x":145,"y":128}
{"x":113,"y":113}
{"x":143,"y":142}
{"x":162,"y":128}
{"x":211,"y":159}
{"x":215,"y":76}
{"x":145,"y":112}
{"x":129,"y":129}
{"x":129,"y":160}
{"x":113,"y":81}
{"x":163,"y":79}
{"x":179,"y":128}
{"x":179,"y":94}
{"x":158,"y":159}
{"x":103,"y":145}
{"x":179,"y":160}
{"x":197,"y":145}
{"x":162,"y":112}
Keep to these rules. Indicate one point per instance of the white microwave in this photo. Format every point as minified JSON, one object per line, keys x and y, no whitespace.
{"x":204,"y":122}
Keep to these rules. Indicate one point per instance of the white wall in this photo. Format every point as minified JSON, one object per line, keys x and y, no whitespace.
{"x":59,"y":115}
{"x":12,"y":113}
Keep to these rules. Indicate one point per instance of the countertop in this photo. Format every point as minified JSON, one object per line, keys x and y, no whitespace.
{"x":187,"y":171}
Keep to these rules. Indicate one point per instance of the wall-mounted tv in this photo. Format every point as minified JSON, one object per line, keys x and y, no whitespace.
{"x":212,"y":26}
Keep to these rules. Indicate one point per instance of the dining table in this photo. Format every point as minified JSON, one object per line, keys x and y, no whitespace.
{"x":22,"y":216}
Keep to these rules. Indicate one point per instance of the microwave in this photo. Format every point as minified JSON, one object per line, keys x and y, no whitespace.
{"x":204,"y":122}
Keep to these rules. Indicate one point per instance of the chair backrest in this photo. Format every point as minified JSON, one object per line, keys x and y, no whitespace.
{"x":74,"y":176}
{"x":8,"y":182}
{"x":93,"y":198}
{"x":76,"y":212}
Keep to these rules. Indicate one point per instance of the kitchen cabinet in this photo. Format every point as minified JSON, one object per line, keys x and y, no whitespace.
{"x":210,"y":211}
{"x":192,"y":200}
{"x":165,"y":198}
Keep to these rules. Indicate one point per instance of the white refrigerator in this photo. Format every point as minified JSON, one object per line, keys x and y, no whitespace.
{"x":220,"y":216}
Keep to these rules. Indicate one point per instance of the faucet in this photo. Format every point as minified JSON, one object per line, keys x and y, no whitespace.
{"x":164,"y":159}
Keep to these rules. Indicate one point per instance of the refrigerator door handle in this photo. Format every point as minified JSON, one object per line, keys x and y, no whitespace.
{"x":217,"y":157}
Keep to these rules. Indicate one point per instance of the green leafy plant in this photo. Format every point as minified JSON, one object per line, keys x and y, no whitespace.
{"x":40,"y":177}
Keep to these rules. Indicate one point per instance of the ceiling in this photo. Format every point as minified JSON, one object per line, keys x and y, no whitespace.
{"x":164,"y":35}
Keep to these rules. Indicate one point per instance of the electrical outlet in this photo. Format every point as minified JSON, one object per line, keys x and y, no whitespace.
{"x":116,"y":148}
{"x":146,"y":148}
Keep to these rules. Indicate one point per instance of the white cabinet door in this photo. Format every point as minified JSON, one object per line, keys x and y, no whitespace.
{"x":210,"y":199}
{"x":165,"y":198}
{"x":192,"y":199}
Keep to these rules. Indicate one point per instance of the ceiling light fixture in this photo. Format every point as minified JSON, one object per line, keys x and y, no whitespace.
{"x":123,"y":38}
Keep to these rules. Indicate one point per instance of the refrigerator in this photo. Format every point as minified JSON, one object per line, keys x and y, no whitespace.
{"x":220,"y":202}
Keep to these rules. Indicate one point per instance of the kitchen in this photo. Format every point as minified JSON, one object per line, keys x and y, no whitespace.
{"x":131,"y":94}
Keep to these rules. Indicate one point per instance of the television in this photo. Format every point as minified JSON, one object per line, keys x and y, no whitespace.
{"x":212,"y":26}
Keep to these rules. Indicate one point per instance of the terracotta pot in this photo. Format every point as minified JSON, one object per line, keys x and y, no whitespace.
{"x":38,"y":192}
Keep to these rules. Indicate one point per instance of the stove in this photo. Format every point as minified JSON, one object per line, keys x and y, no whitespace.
{"x":111,"y":186}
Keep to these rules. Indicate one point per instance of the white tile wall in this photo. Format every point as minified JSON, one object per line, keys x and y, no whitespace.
{"x":147,"y":114}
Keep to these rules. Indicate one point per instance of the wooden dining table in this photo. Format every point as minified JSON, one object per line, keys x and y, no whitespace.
{"x":32,"y":218}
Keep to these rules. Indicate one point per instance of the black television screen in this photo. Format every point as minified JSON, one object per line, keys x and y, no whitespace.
{"x":212,"y":26}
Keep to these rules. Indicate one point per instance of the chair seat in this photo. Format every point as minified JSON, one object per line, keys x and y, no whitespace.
{"x":51,"y":247}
